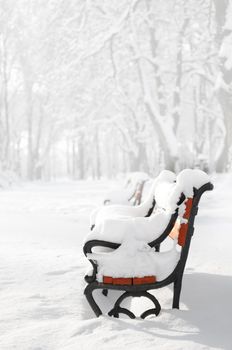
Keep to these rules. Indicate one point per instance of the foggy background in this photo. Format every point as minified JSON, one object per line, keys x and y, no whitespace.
{"x":89,"y":89}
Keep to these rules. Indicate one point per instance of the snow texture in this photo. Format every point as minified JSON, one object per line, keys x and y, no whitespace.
{"x":42,"y":227}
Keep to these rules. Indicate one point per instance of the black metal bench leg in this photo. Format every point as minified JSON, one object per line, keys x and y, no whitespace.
{"x":157,"y":247}
{"x":117,"y":309}
{"x":89,"y":296}
{"x":176,"y":293}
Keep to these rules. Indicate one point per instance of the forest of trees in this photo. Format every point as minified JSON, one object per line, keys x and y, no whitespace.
{"x":92,"y":88}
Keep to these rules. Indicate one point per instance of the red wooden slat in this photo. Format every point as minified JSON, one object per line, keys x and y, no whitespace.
{"x":184,"y":227}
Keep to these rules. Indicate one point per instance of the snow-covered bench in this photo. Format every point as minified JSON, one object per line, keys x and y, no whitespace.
{"x":127,"y":260}
{"x":131,"y":193}
{"x":145,"y":209}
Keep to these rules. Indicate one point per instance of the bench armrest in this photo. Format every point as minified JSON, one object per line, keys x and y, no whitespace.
{"x":89,"y":245}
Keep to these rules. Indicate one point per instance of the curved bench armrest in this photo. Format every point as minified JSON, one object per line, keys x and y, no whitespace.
{"x":89,"y":245}
{"x":98,"y":243}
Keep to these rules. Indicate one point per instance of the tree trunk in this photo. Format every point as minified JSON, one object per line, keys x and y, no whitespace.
{"x":81,"y":163}
{"x":225,"y":97}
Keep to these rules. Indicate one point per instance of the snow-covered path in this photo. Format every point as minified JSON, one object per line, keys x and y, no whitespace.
{"x":41,"y":276}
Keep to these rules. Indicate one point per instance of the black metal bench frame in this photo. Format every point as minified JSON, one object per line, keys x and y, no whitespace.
{"x":142,"y":290}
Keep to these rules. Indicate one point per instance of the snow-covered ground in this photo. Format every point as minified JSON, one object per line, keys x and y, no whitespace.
{"x":42,"y":227}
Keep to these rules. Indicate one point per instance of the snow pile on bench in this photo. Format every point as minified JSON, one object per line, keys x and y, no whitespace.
{"x":102,"y":213}
{"x":116,"y":229}
{"x":168,"y":195}
{"x":135,"y":259}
